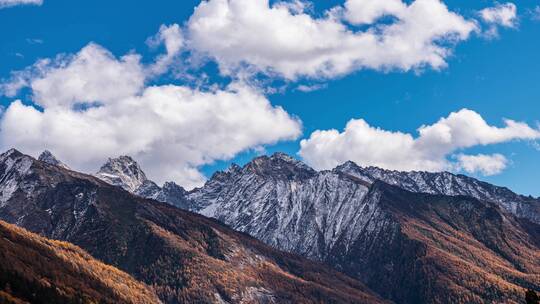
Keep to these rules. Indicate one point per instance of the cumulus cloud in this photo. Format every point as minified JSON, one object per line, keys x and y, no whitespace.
{"x":502,"y":14}
{"x":91,"y":75}
{"x":93,"y":105}
{"x":482,"y":163}
{"x":10,"y":3}
{"x":429,"y":151}
{"x":253,"y":36}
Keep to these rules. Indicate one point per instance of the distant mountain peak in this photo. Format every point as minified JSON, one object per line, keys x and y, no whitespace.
{"x":11,"y":152}
{"x":126,"y":173}
{"x":122,"y":159}
{"x":47,"y":157}
{"x":283,"y":156}
{"x":348,"y":165}
{"x":122,"y":171}
{"x":280,"y":165}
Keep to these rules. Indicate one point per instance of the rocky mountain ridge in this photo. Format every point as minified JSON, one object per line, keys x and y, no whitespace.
{"x":282,"y":165}
{"x":446,"y":183}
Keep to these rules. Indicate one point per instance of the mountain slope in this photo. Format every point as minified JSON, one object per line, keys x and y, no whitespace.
{"x":438,"y":248}
{"x":186,"y":258}
{"x":425,"y":253}
{"x":38,"y":270}
{"x":283,"y":203}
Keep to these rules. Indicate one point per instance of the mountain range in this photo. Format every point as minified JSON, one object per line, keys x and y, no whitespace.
{"x":183,"y":257}
{"x":413,"y":237}
{"x":347,"y":235}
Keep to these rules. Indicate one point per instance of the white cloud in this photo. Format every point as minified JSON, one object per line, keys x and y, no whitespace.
{"x":253,"y":36}
{"x":368,"y":11}
{"x":171,"y":129}
{"x":311,"y":87}
{"x":296,"y":6}
{"x":429,"y":151}
{"x":18,"y":81}
{"x":501,"y":14}
{"x":92,"y":75}
{"x":173,"y":39}
{"x":504,"y":15}
{"x":10,"y":3}
{"x":482,"y":163}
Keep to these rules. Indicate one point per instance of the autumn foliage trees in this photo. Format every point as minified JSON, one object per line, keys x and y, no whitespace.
{"x":37,"y":270}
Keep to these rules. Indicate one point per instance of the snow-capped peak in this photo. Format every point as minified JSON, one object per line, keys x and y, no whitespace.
{"x":122,"y":171}
{"x":47,"y":157}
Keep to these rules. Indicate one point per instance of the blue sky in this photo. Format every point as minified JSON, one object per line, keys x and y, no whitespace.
{"x":493,"y":76}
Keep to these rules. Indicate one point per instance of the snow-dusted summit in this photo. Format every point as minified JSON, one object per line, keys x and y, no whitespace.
{"x":124,"y":172}
{"x":47,"y":157}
